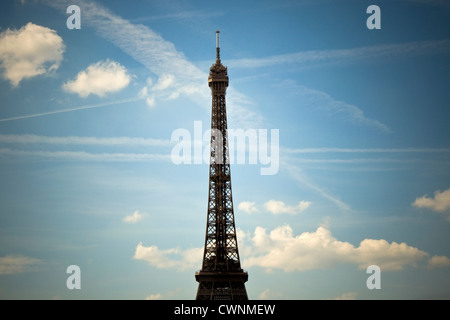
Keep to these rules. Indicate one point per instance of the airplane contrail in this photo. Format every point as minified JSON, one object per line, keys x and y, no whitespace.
{"x":98,"y":105}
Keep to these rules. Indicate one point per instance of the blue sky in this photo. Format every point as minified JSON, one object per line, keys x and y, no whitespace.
{"x":86,"y":151}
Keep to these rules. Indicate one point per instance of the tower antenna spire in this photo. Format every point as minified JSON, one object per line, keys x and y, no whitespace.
{"x":217,"y":46}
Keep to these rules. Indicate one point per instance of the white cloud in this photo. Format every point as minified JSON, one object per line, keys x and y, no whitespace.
{"x":150,"y":101}
{"x":99,"y":79}
{"x":163,"y":296}
{"x":278,"y":207}
{"x":154,"y":256}
{"x":157,"y":296}
{"x":346,"y":296}
{"x":440,"y":202}
{"x":164,"y":81}
{"x":438,"y":262}
{"x":281,"y":249}
{"x":170,"y":258}
{"x":248,"y":207}
{"x":274,"y":206}
{"x":133,"y":218}
{"x":13,"y":264}
{"x":303,"y":205}
{"x":269,"y":295}
{"x":143,"y":93}
{"x":30,"y":51}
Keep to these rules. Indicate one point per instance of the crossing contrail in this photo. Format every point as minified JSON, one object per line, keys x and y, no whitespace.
{"x":91,"y":106}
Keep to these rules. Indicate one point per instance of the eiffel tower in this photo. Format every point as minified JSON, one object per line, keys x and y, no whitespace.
{"x":221,"y":276}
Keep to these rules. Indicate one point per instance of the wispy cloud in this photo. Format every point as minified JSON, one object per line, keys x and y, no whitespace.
{"x":365,"y":150}
{"x":13,"y":264}
{"x":35,"y":146}
{"x":296,"y":159}
{"x":325,"y":57}
{"x":88,"y":156}
{"x":357,"y":161}
{"x":367,"y":155}
{"x":89,"y":106}
{"x":294,"y":172}
{"x":323,"y":101}
{"x":87,"y":141}
{"x":182,"y":15}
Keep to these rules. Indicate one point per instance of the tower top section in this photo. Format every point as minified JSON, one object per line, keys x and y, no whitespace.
{"x":218,"y":72}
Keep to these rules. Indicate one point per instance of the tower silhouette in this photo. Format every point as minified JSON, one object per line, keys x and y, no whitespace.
{"x":221,"y":276}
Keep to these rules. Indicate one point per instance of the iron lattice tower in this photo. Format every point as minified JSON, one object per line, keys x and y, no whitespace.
{"x":221,"y":276}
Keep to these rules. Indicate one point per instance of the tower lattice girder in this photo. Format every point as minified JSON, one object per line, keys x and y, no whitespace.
{"x":221,"y":276}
